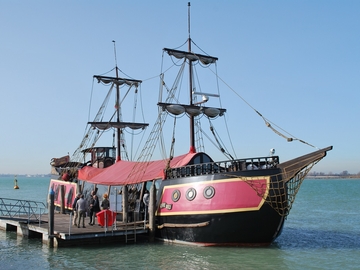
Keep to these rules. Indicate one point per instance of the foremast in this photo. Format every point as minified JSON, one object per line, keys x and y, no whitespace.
{"x":118,"y":124}
{"x":117,"y":102}
{"x":115,"y":121}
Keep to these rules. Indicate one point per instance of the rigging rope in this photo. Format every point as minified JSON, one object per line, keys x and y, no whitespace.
{"x":282,"y":191}
{"x":267,"y":122}
{"x":218,"y":142}
{"x":88,"y":137}
{"x":171,"y":155}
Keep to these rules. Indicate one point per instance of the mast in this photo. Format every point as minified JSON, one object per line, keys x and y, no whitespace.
{"x":192,"y":129}
{"x":192,"y":109}
{"x":117,"y":105}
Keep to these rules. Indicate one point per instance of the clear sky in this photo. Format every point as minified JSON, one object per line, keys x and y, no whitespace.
{"x":296,"y":62}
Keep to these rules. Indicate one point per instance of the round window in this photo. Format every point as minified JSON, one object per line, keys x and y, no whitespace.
{"x":209,"y":192}
{"x":191,"y":194}
{"x":175,"y":196}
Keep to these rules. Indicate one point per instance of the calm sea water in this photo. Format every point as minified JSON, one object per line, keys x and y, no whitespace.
{"x":322,"y":232}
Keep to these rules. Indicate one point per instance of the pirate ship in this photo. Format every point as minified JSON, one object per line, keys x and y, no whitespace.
{"x":199,"y":200}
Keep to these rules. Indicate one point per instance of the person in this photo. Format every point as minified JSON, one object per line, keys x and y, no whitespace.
{"x":66,"y":176}
{"x":146,"y":200}
{"x":81,"y":207}
{"x":75,"y":209}
{"x":105,"y":204}
{"x":94,"y":208}
{"x":89,"y":201}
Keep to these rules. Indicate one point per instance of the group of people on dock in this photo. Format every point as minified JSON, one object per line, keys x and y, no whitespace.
{"x":81,"y":207}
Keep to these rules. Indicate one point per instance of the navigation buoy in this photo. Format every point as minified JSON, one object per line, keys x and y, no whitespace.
{"x":16,"y":184}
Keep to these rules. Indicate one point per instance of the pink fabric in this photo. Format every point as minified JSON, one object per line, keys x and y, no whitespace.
{"x":130,"y":172}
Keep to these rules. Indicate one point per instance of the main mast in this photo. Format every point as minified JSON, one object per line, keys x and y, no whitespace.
{"x":192,"y":109}
{"x":192,"y":131}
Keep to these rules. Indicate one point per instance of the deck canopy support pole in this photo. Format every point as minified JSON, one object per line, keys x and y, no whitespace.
{"x":125,"y":203}
{"x":152,"y":207}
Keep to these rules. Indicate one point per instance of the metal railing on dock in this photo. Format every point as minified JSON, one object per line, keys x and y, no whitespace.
{"x":22,"y":210}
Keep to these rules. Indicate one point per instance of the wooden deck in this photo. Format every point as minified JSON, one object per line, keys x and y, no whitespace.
{"x":65,"y":234}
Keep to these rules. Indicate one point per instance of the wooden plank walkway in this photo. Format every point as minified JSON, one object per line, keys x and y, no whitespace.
{"x":65,"y":234}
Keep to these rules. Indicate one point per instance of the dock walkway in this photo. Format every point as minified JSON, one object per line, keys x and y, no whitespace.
{"x":65,"y":234}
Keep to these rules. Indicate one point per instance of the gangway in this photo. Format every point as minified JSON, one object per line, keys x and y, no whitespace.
{"x":21,"y":210}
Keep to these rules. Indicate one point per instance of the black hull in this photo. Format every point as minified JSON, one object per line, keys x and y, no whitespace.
{"x":226,"y":205}
{"x":231,"y":228}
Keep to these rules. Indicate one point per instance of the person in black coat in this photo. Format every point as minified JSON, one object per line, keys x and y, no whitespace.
{"x":94,"y":208}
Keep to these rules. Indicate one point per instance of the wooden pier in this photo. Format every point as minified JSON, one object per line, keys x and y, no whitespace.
{"x":65,"y":234}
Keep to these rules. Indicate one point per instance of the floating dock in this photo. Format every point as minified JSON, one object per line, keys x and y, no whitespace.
{"x":65,"y":234}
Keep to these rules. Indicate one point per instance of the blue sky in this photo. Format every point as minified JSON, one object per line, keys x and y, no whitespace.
{"x":296,"y":62}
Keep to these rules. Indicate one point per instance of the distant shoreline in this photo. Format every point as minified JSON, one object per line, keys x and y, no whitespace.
{"x":353,"y":177}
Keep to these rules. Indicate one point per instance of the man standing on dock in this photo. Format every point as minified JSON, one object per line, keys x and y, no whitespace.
{"x":74,"y":208}
{"x":81,"y":208}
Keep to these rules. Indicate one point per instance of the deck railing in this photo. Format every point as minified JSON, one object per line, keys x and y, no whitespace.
{"x":224,"y":166}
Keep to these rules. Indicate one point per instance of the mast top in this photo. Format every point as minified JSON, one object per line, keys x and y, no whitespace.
{"x":189,"y":20}
{"x":115,"y":54}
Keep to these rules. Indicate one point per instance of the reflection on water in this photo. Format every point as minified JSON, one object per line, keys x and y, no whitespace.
{"x":296,"y":249}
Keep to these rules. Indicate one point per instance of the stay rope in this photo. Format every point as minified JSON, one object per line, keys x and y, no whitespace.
{"x":268,"y":123}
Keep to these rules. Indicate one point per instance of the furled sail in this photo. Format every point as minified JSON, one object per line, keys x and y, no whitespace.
{"x":117,"y":81}
{"x":205,"y":59}
{"x":193,"y":110}
{"x":121,"y":125}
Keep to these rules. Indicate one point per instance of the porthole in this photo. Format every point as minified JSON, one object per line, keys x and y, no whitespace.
{"x":209,"y":192}
{"x":191,"y":194}
{"x":175,"y":196}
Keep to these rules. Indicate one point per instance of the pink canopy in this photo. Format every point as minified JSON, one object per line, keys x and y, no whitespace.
{"x":130,"y":172}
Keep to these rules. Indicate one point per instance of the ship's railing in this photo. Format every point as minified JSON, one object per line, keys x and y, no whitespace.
{"x":24,"y":210}
{"x":247,"y":164}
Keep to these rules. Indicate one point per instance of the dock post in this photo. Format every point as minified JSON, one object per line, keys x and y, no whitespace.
{"x":152,"y":206}
{"x":125,"y":203}
{"x":51,"y":218}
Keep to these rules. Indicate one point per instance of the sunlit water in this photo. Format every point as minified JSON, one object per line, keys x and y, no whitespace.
{"x":322,"y":232}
